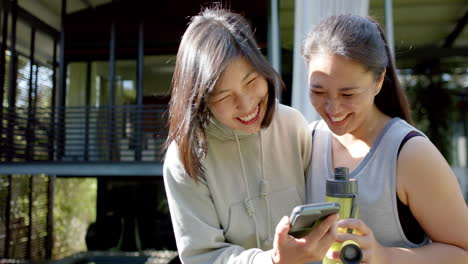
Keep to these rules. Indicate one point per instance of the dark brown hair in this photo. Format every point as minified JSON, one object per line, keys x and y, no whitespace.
{"x":361,"y":39}
{"x":212,"y":40}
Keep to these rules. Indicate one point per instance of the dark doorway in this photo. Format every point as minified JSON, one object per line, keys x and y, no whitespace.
{"x":132,"y":215}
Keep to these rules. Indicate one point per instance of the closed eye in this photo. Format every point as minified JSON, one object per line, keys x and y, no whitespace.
{"x":317,"y":92}
{"x":223,"y":98}
{"x":220,"y":98}
{"x":251,"y":80}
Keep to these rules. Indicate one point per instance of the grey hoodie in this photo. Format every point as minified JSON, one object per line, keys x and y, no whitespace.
{"x":250,"y":182}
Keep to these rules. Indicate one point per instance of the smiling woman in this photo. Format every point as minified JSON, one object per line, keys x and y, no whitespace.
{"x":236,"y":158}
{"x":406,"y":188}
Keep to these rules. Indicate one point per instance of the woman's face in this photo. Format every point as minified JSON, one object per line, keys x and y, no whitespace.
{"x":240,"y":97}
{"x":342,"y":91}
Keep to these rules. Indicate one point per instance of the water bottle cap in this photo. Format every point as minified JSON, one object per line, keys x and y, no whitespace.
{"x":342,"y":173}
{"x":342,"y":188}
{"x":341,"y":185}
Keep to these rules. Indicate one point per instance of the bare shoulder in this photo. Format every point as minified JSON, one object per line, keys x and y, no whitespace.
{"x":427,"y":184}
{"x":419,"y":150}
{"x":420,"y":162}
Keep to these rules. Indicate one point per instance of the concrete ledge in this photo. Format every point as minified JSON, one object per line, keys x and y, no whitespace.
{"x":84,"y":169}
{"x":144,"y":257}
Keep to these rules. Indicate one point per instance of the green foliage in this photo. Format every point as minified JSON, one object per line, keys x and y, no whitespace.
{"x":433,"y":108}
{"x":74,"y":210}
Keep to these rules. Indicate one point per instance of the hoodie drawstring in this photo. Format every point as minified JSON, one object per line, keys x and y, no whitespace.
{"x":248,"y":203}
{"x":264,"y":191}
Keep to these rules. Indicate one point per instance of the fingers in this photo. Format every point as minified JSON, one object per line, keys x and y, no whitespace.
{"x":283,"y":225}
{"x":365,"y":256}
{"x":282,"y":229}
{"x":323,"y":228}
{"x":355,"y":224}
{"x":287,"y":249}
{"x":365,"y":238}
{"x":327,"y":240}
{"x":342,"y":237}
{"x":335,"y":255}
{"x":323,"y":235}
{"x":364,"y":233}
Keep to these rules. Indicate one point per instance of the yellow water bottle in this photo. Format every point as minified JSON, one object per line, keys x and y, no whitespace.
{"x":343,"y":190}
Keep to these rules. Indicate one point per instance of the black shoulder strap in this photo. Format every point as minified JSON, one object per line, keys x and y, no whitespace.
{"x":314,"y":127}
{"x":408,"y":136}
{"x":411,"y":228}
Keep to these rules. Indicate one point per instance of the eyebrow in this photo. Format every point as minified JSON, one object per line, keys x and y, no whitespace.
{"x":248,"y":74}
{"x":315,"y":85}
{"x":217,"y":93}
{"x":344,"y":89}
{"x":243,"y":79}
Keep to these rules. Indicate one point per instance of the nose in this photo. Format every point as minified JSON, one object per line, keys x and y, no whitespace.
{"x":244,"y":102}
{"x":332,"y":105}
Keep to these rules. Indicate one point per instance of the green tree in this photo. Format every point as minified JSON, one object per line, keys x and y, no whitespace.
{"x":74,"y":210}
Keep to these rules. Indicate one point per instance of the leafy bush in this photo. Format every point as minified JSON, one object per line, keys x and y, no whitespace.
{"x":74,"y":210}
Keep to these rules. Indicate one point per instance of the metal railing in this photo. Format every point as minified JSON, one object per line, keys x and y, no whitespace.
{"x":84,"y":134}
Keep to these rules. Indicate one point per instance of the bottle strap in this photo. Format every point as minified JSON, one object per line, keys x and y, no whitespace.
{"x":352,"y":212}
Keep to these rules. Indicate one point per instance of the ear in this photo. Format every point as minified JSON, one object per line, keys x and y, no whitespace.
{"x":380,"y":81}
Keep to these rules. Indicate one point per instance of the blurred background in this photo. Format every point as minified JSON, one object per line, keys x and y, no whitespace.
{"x":84,"y":92}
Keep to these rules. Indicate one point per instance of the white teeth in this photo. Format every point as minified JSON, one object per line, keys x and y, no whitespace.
{"x":250,"y":117}
{"x":338,"y":118}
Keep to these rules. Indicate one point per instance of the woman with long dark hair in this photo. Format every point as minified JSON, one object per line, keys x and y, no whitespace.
{"x":236,"y":158}
{"x":411,"y":209}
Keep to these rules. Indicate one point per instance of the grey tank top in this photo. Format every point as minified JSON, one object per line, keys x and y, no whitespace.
{"x":376,"y":176}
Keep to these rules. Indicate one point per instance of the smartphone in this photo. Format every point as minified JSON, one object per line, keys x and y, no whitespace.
{"x":305,"y":217}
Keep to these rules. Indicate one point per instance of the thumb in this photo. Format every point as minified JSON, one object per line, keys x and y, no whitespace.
{"x":282,"y":229}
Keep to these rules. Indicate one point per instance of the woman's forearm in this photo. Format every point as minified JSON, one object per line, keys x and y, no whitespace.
{"x":431,"y":254}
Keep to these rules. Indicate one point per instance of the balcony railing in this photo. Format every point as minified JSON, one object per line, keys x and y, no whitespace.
{"x":129,"y":133}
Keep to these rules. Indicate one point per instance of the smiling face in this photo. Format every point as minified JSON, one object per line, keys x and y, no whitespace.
{"x":342,"y":92}
{"x":240,"y":97}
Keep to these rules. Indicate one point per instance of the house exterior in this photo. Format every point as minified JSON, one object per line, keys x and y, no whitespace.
{"x":85,"y":92}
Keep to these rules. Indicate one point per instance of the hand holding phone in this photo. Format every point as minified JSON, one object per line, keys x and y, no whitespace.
{"x":305,"y":217}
